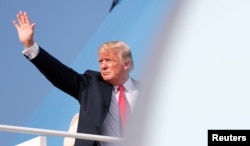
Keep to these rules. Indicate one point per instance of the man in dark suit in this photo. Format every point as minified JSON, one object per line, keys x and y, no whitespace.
{"x":97,"y":92}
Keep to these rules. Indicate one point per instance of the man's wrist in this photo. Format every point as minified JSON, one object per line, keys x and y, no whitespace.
{"x":29,"y":44}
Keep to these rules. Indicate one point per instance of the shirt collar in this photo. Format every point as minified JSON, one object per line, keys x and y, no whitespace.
{"x":128,"y":85}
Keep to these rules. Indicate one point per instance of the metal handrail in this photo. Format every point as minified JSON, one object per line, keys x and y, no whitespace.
{"x":37,"y":131}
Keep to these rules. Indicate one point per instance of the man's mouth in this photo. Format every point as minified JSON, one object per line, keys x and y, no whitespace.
{"x":105,"y":73}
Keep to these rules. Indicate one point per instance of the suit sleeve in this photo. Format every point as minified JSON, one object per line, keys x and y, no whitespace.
{"x":59,"y":74}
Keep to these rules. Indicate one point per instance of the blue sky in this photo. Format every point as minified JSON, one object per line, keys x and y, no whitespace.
{"x":71,"y":31}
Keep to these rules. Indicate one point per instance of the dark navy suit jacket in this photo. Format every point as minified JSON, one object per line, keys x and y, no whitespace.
{"x":92,"y":92}
{"x":89,"y":88}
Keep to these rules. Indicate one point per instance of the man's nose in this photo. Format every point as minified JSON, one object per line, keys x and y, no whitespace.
{"x":104,"y":64}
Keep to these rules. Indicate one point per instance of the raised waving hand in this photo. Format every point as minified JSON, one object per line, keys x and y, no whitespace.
{"x":25,"y":29}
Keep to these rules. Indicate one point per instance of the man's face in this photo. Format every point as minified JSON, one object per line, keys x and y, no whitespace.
{"x":113,"y":70}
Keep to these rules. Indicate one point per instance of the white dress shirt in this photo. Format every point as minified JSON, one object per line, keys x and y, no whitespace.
{"x":111,"y":125}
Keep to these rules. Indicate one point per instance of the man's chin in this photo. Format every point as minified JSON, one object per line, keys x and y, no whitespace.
{"x":106,"y":78}
{"x":109,"y":80}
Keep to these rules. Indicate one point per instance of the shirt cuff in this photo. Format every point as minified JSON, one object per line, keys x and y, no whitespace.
{"x":32,"y":51}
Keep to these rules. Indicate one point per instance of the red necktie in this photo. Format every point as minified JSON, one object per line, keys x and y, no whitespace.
{"x":123,"y":106}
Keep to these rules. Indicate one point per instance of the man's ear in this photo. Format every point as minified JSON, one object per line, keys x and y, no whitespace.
{"x":127,"y":64}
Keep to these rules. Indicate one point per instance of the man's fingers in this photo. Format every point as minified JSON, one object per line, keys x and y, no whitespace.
{"x":18,"y":16}
{"x":15,"y":24}
{"x":21,"y":18}
{"x":26,"y":18}
{"x":33,"y":25}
